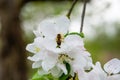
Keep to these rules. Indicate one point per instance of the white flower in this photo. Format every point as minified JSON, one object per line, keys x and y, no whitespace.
{"x":52,"y":49}
{"x":53,"y":30}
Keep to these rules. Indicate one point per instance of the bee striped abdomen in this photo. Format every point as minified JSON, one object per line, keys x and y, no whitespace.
{"x":59,"y":39}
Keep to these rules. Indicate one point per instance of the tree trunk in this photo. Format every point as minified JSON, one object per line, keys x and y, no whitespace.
{"x":12,"y":51}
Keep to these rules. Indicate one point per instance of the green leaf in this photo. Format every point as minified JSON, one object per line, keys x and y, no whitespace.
{"x":36,"y":76}
{"x":75,"y":33}
{"x":63,"y":76}
{"x":43,"y":77}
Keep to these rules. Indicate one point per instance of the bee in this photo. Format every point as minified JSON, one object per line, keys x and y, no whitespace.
{"x":59,"y":40}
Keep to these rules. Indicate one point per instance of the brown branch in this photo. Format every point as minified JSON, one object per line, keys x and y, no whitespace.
{"x":70,"y":10}
{"x":83,"y":15}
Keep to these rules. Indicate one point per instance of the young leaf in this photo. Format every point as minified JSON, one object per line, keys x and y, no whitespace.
{"x":43,"y":77}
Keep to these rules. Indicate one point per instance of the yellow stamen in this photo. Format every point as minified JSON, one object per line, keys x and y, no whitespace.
{"x":37,"y":49}
{"x":64,"y":57}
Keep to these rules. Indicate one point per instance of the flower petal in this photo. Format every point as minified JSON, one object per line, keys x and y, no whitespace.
{"x":63,"y":68}
{"x":36,"y":64}
{"x":114,"y":77}
{"x":75,"y":41}
{"x":112,"y":66}
{"x":51,"y":27}
{"x":36,"y":57}
{"x":82,"y":75}
{"x":42,"y":72}
{"x":36,"y":46}
{"x":37,"y":33}
{"x":47,"y":28}
{"x":32,"y":48}
{"x":62,"y":24}
{"x":97,"y":73}
{"x":49,"y":62}
{"x":51,"y":45}
{"x":56,"y":72}
{"x":79,"y":62}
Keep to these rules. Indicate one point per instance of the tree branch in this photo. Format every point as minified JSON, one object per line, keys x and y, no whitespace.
{"x":83,"y":15}
{"x":70,"y":10}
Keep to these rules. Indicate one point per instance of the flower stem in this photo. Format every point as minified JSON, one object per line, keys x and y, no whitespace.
{"x":71,"y":9}
{"x":83,"y":15}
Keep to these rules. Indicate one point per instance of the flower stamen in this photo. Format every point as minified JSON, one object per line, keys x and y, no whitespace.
{"x":64,"y":57}
{"x":37,"y":49}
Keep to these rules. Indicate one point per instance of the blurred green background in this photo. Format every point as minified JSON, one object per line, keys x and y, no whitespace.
{"x":101,"y":26}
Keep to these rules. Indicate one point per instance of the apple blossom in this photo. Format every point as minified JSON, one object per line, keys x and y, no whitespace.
{"x":52,"y":49}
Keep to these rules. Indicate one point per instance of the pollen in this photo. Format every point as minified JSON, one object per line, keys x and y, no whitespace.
{"x":37,"y":49}
{"x":64,"y":57}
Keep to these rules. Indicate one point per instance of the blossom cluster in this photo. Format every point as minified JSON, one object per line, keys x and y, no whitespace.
{"x":58,"y":52}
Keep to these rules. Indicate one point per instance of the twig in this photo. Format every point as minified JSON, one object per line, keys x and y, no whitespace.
{"x":83,"y":15}
{"x":70,"y":10}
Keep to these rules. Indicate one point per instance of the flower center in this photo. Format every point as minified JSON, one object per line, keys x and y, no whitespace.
{"x":65,"y":57}
{"x":37,"y":49}
{"x":59,"y":39}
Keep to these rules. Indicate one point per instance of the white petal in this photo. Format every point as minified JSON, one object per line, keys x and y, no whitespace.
{"x":42,"y":72}
{"x":56,"y":72}
{"x":112,"y":66}
{"x":79,"y":62}
{"x":36,"y":64}
{"x":63,"y":68}
{"x":62,"y":24}
{"x":88,"y":58}
{"x":31,"y":48}
{"x":37,"y":57}
{"x":39,"y":40}
{"x":51,"y":45}
{"x":114,"y":77}
{"x":89,"y":64}
{"x":97,"y":73}
{"x":82,"y":75}
{"x":72,"y":73}
{"x":47,"y":27}
{"x":36,"y":46}
{"x":98,"y":69}
{"x":37,"y":33}
{"x":51,"y":27}
{"x":49,"y":62}
{"x":74,"y":40}
{"x":82,"y":59}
